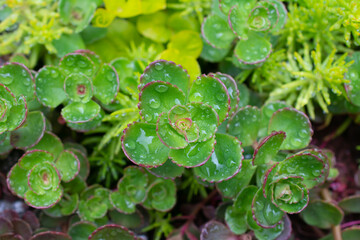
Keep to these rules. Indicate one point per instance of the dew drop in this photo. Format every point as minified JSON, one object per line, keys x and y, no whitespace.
{"x":197,"y":97}
{"x":316,"y":172}
{"x":154,"y":103}
{"x":296,"y":142}
{"x":148,"y":117}
{"x":159,"y":66}
{"x":220,"y":97}
{"x":303,"y":133}
{"x":198,"y":81}
{"x":161,"y":88}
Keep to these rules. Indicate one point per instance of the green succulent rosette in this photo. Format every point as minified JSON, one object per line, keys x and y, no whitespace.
{"x":180,"y":119}
{"x":80,"y":77}
{"x":253,"y":22}
{"x":41,"y":187}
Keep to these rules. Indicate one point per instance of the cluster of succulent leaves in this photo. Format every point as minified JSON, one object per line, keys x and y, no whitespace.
{"x":252,"y":22}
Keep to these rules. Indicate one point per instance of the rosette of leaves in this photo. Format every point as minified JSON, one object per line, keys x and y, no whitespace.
{"x":94,"y":203}
{"x":180,"y":119}
{"x":80,"y":77}
{"x":37,"y":176}
{"x":252,"y":22}
{"x":138,"y":187}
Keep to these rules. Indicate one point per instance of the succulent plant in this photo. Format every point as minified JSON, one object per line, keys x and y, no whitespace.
{"x":137,"y":187}
{"x":15,"y":227}
{"x":45,"y":165}
{"x":180,"y":122}
{"x":251,"y":21}
{"x":79,"y":77}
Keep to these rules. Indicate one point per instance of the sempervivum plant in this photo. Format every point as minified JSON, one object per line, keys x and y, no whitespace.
{"x":79,"y":78}
{"x":252,"y":22}
{"x":37,"y":176}
{"x":180,"y":120}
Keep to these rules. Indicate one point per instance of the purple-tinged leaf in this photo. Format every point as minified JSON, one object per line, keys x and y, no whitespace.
{"x":51,"y":235}
{"x":30,"y":133}
{"x":78,"y":112}
{"x":245,"y":125}
{"x":215,"y":230}
{"x":31,"y":219}
{"x":225,"y":162}
{"x":166,"y":71}
{"x":22,"y":228}
{"x":49,"y":86}
{"x":5,"y":226}
{"x":194,"y":155}
{"x":142,"y":146}
{"x":210,"y":90}
{"x":295,"y":124}
{"x":106,"y":84}
{"x":157,"y":97}
{"x":112,"y":232}
{"x":268,"y":148}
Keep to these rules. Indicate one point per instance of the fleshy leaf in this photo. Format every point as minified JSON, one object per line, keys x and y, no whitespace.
{"x":211,"y":54}
{"x":43,"y":178}
{"x":17,"y":181}
{"x":133,"y":220}
{"x":226,"y":5}
{"x":43,"y":201}
{"x":351,"y":204}
{"x":210,"y":90}
{"x":265,"y":213}
{"x":77,"y":63}
{"x":233,"y":90}
{"x":157,"y":97}
{"x":305,"y":165}
{"x":153,"y":26}
{"x":238,"y":17}
{"x":254,"y":50}
{"x":216,"y":32}
{"x":122,"y":203}
{"x":112,"y":232}
{"x":271,"y":233}
{"x":322,"y":214}
{"x":268,"y":148}
{"x":353,"y":74}
{"x":18,"y":79}
{"x":81,"y":230}
{"x":133,"y":184}
{"x":245,"y":125}
{"x":295,"y":124}
{"x":68,"y":165}
{"x":93,"y":208}
{"x":17,"y":114}
{"x":258,"y":19}
{"x":195,"y":154}
{"x":78,"y":87}
{"x":49,"y":86}
{"x":31,"y":158}
{"x":282,"y":15}
{"x":106,"y":84}
{"x":235,"y":216}
{"x":351,"y":233}
{"x":206,"y":118}
{"x":231,"y":188}
{"x":87,"y":126}
{"x":78,"y":112}
{"x":51,"y":235}
{"x":30,"y":132}
{"x":50,"y":143}
{"x":214,"y":230}
{"x":167,"y":170}
{"x":267,"y":111}
{"x":166,"y":71}
{"x":168,"y":135}
{"x":84,"y":163}
{"x":225,"y":162}
{"x":188,"y":42}
{"x":162,"y":194}
{"x":142,"y":146}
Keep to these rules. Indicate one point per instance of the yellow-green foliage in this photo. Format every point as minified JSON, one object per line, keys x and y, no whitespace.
{"x":25,"y":23}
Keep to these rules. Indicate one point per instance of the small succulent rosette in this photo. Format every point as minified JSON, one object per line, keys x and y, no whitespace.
{"x":180,"y":120}
{"x":251,"y":21}
{"x":38,"y":174}
{"x":79,"y":78}
{"x":139,"y":187}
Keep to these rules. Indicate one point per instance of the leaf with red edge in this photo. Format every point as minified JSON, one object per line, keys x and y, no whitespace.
{"x":17,"y":181}
{"x":30,"y":133}
{"x":78,"y":87}
{"x":168,"y":135}
{"x":162,"y":194}
{"x":68,"y":165}
{"x":43,"y":178}
{"x":78,"y":112}
{"x":225,"y":162}
{"x":106,"y":84}
{"x":245,"y":125}
{"x":46,"y":200}
{"x":50,"y":143}
{"x":77,"y":63}
{"x":233,"y":90}
{"x":5,"y":226}
{"x":217,"y":32}
{"x":305,"y":165}
{"x":31,"y":158}
{"x":210,"y":90}
{"x":112,"y":232}
{"x":268,"y":148}
{"x":157,"y":97}
{"x":142,"y":146}
{"x":18,"y":78}
{"x":238,"y":17}
{"x":195,"y":154}
{"x":17,"y":114}
{"x":265,"y":213}
{"x":49,"y":86}
{"x":22,"y":228}
{"x":167,"y":170}
{"x":166,"y":71}
{"x":51,"y":235}
{"x":295,"y":124}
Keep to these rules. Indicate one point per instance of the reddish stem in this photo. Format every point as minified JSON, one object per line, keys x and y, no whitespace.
{"x":349,"y":224}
